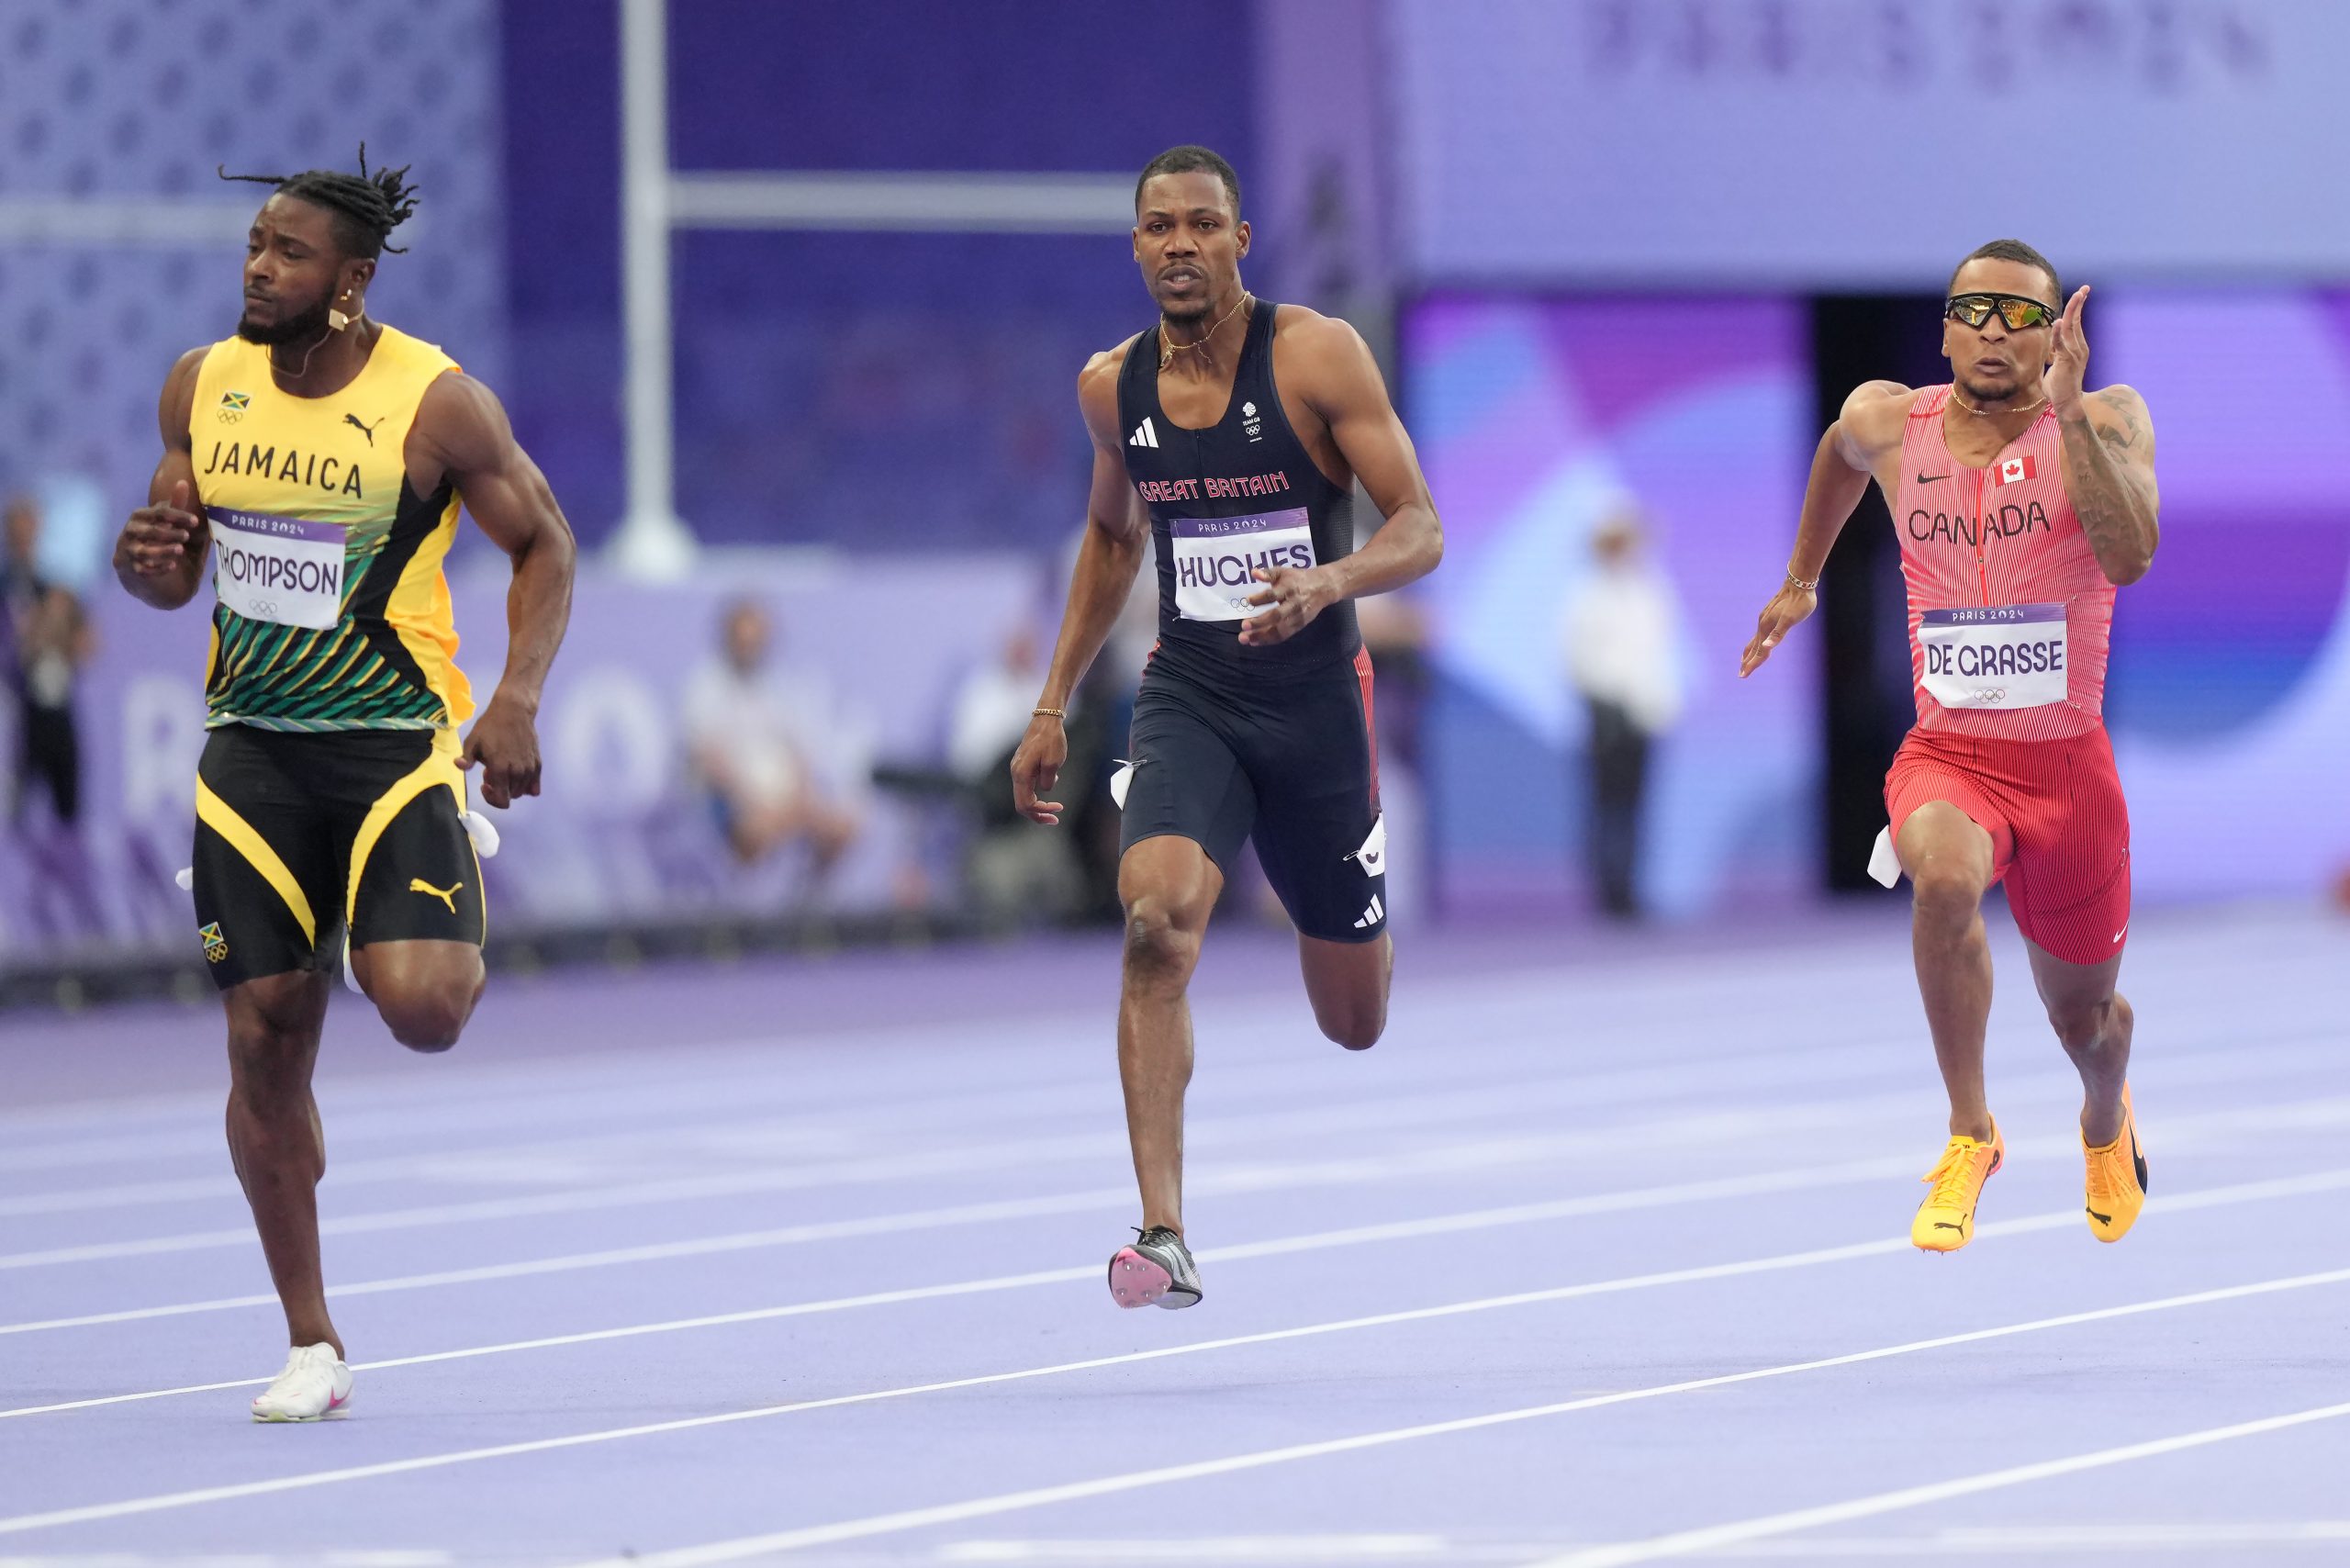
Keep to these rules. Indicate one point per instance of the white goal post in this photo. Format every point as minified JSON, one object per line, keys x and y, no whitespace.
{"x":658,"y":201}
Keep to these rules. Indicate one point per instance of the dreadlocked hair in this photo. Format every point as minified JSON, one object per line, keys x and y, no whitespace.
{"x":366,"y":207}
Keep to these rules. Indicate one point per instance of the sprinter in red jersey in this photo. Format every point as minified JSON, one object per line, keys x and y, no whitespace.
{"x":2024,"y":502}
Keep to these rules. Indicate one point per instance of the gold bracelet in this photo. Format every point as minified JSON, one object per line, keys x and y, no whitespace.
{"x":1048,"y":712}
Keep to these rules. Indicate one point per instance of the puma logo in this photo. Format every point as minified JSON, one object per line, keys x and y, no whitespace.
{"x":367,"y":431}
{"x":418,"y":885}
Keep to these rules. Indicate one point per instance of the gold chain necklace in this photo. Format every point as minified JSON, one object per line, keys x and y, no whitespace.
{"x":1987,"y":414}
{"x":1168,"y":349}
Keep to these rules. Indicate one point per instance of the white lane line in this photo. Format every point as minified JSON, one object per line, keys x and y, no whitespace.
{"x":1398,"y":1230}
{"x":381,"y":1558}
{"x":1476,"y":1219}
{"x":1450,"y":1159}
{"x":1684,"y":1129}
{"x":1680,"y":1543}
{"x":1491,"y":1152}
{"x":1345,"y":1551}
{"x":1506,"y":1092}
{"x":1350,"y":1550}
{"x":1371,"y":1114}
{"x":392,"y":1106}
{"x":1443,"y":1160}
{"x":777,"y":1541}
{"x":855,"y":1530}
{"x":680,"y":1077}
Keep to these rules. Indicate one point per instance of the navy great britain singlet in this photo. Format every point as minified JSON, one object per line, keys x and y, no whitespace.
{"x":1240,"y":495}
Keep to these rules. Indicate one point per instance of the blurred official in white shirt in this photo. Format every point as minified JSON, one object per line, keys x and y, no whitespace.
{"x":1621,"y":634}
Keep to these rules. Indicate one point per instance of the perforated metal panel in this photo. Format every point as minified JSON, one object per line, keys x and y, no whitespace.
{"x":133,"y":102}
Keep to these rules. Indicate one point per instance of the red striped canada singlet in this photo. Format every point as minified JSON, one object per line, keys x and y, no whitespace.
{"x":2004,"y":535}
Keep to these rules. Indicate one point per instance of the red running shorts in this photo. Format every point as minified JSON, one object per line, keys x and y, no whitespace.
{"x":2060,"y":831}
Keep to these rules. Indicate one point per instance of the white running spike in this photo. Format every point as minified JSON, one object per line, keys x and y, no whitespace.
{"x":314,"y":1386}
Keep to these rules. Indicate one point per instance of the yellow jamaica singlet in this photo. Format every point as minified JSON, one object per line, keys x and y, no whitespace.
{"x":332,"y":613}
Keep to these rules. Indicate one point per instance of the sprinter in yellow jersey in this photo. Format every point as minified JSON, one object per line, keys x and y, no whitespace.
{"x":316,"y":461}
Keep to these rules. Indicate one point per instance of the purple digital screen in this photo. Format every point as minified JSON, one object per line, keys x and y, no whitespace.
{"x":2228,"y":697}
{"x":1807,"y":143}
{"x":1538,"y":421}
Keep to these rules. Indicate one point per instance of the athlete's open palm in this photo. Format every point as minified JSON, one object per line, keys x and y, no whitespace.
{"x":1037,"y":767}
{"x":2068,"y":357}
{"x":1789,"y":609}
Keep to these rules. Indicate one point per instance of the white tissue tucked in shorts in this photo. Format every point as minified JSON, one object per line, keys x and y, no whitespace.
{"x":1119,"y":781}
{"x":484,"y":832}
{"x":1372,"y":856}
{"x":185,"y":878}
{"x":1883,"y":864}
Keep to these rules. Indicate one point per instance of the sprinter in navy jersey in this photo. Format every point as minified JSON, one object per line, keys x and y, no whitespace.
{"x":1234,"y":434}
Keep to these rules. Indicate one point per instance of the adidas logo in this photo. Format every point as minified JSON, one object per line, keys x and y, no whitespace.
{"x":1372,"y":916}
{"x":1144,"y":435}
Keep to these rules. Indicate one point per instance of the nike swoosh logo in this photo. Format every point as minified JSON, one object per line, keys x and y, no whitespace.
{"x":1926,"y":478}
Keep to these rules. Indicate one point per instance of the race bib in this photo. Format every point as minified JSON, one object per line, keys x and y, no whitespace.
{"x":1216,"y":559}
{"x":283,"y":569}
{"x":2002,"y":655}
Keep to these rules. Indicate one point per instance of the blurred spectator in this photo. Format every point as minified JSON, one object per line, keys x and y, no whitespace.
{"x":1016,"y":874}
{"x":993,"y":708}
{"x":44,"y":640}
{"x":754,"y":744}
{"x":1622,"y":637}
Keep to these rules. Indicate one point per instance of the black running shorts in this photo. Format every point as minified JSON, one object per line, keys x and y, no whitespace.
{"x":1292,"y":764}
{"x":299,"y":835}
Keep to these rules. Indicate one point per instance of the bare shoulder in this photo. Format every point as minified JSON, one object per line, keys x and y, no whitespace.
{"x":2122,"y":401}
{"x":1097,"y":386}
{"x":455,"y":404}
{"x":1299,"y":330}
{"x":462,"y":421}
{"x":454,"y":395}
{"x":1101,"y":372}
{"x":179,"y":385}
{"x":1323,"y":361}
{"x":1876,"y":413}
{"x":2123,"y":421}
{"x":177,"y":407}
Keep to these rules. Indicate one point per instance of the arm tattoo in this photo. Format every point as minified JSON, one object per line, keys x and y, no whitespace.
{"x":2115,"y":512}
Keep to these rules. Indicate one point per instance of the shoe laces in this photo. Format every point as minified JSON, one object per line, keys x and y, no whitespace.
{"x":1953,"y":1175}
{"x":2105,"y":1169}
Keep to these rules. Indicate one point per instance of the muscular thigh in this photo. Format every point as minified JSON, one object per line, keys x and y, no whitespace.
{"x":1319,"y":834}
{"x":293,"y":829}
{"x":1932,"y":767}
{"x":2071,"y":888}
{"x":1185,"y":778}
{"x":267,"y":865}
{"x":413,"y":874}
